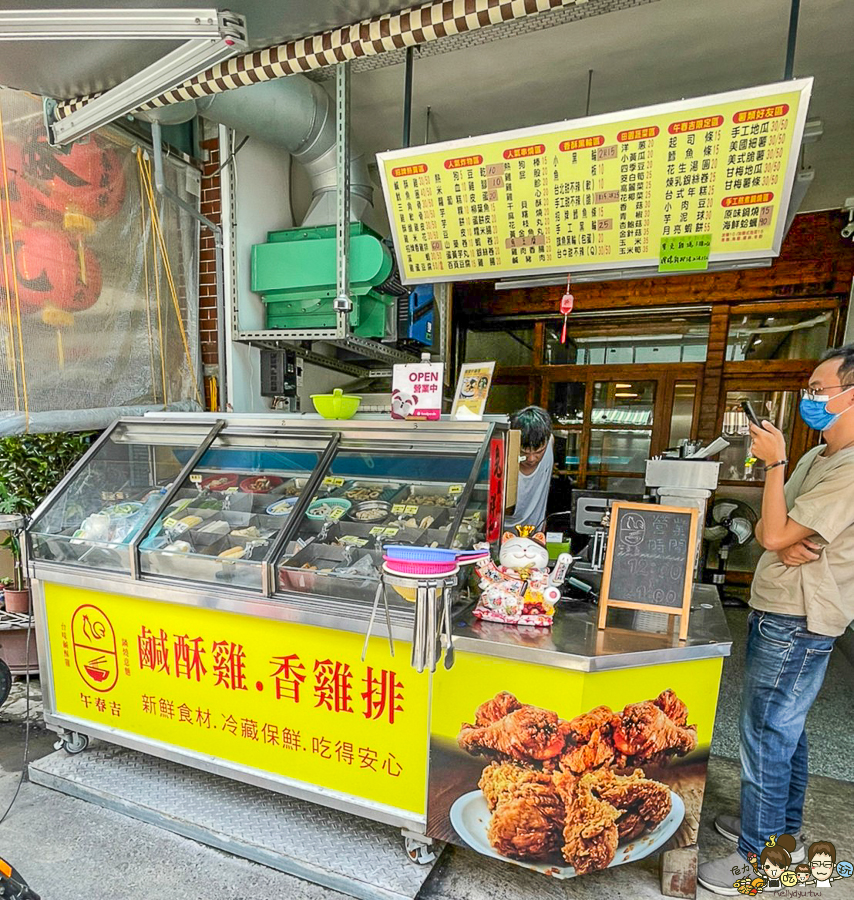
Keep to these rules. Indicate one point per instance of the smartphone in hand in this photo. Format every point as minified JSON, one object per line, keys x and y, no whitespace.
{"x":750,"y":413}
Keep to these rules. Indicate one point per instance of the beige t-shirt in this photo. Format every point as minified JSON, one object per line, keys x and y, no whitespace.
{"x":819,"y":496}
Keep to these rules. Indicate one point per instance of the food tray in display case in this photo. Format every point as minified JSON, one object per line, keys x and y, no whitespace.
{"x":296,"y":511}
{"x":93,"y":517}
{"x":393,"y":499}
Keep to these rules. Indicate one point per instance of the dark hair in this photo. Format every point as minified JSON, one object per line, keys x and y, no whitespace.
{"x":822,"y":847}
{"x":845,"y":355}
{"x":535,"y":424}
{"x":803,"y":867}
{"x":781,"y":853}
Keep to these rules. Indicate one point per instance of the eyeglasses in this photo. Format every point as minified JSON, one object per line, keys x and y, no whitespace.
{"x":821,"y":393}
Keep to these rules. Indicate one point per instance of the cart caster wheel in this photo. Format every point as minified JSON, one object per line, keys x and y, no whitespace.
{"x":5,"y":682}
{"x":420,"y":852}
{"x":75,"y":743}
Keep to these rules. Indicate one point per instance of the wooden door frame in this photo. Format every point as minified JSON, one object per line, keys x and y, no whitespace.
{"x":665,"y":376}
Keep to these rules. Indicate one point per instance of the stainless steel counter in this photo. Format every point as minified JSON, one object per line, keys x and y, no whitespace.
{"x":631,"y":639}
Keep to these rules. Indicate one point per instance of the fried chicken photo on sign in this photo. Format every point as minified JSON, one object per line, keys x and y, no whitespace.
{"x":591,"y":745}
{"x":590,"y":833}
{"x":645,"y":733}
{"x":527,"y":734}
{"x":642,"y":802}
{"x":528,"y":813}
{"x":499,"y":706}
{"x":672,"y":707}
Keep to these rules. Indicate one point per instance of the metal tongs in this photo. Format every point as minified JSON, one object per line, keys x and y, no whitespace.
{"x":430,"y":622}
{"x":380,"y":592}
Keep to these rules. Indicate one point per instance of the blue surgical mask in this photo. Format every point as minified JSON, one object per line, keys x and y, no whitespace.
{"x":815,"y":414}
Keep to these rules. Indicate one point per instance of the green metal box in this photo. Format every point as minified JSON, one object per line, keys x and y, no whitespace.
{"x":295,"y":274}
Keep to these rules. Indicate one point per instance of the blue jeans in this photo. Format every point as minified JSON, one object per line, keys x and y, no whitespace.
{"x":785,"y":669}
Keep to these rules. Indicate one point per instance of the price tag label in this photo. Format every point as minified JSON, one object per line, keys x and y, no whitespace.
{"x":398,"y":508}
{"x":377,"y":530}
{"x":231,"y":490}
{"x":456,"y":489}
{"x":196,"y":478}
{"x":170,"y":522}
{"x":353,"y":539}
{"x":336,"y":512}
{"x":411,"y":510}
{"x":329,"y":481}
{"x":391,"y":531}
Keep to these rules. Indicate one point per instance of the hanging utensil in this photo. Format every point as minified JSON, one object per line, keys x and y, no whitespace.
{"x":380,"y":590}
{"x":449,"y":631}
{"x":431,"y":626}
{"x":388,"y":622}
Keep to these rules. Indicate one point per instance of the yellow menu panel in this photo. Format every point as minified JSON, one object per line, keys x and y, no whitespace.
{"x":600,"y":192}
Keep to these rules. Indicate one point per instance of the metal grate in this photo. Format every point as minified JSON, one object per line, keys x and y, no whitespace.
{"x":346,"y":853}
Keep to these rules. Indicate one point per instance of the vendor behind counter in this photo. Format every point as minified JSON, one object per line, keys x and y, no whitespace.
{"x":535,"y":466}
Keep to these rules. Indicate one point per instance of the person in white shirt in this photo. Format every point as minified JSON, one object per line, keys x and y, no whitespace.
{"x":535,"y":468}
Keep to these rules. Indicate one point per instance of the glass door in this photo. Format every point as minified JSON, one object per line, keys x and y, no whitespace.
{"x":606,"y":429}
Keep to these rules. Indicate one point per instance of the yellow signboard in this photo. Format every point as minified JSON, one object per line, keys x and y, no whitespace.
{"x":600,"y":192}
{"x":292,"y":700}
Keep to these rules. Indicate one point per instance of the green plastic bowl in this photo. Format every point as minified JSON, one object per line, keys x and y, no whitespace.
{"x":336,"y":405}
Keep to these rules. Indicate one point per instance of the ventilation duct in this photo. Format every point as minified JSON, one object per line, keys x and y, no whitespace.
{"x":298,"y":115}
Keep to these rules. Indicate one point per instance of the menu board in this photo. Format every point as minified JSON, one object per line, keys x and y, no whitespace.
{"x":610,"y":191}
{"x":649,"y":563}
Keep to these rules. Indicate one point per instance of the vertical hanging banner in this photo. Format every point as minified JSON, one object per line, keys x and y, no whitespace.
{"x":601,"y":192}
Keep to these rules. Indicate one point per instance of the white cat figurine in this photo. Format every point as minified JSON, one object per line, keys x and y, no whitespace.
{"x":518,"y":590}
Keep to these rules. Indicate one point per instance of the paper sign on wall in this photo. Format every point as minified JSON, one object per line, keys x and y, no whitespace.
{"x":688,"y":253}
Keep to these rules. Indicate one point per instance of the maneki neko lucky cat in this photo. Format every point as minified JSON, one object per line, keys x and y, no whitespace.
{"x":519,"y":590}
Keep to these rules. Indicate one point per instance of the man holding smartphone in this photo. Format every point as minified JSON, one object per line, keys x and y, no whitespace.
{"x":802,"y":599}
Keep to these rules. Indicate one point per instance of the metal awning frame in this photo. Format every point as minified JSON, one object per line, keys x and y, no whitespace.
{"x":213,"y":37}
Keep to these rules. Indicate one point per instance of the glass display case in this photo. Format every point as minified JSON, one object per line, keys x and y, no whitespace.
{"x":304,"y":507}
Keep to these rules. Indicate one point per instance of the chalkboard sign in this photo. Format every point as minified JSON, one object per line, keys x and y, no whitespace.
{"x":649,"y":563}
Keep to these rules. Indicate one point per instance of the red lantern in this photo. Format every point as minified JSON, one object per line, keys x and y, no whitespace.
{"x":88,"y":180}
{"x":52,"y":272}
{"x":28,"y":199}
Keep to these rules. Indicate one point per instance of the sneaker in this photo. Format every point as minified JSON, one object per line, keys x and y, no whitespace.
{"x":717,"y":876}
{"x":730,"y":828}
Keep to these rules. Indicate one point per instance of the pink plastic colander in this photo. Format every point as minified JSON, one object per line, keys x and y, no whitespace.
{"x":410,"y":567}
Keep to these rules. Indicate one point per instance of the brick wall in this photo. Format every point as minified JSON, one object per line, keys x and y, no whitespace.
{"x":212,"y":209}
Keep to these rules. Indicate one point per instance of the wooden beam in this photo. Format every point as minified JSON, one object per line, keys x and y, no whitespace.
{"x":710,"y":402}
{"x":815,"y":262}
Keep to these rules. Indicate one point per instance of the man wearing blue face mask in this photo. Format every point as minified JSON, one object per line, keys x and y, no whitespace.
{"x":803,"y":599}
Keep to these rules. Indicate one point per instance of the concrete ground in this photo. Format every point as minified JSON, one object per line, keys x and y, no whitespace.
{"x":71,"y":850}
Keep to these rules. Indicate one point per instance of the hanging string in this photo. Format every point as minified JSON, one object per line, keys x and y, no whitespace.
{"x":11,"y":245}
{"x":155,"y":218}
{"x":156,"y":272}
{"x":147,"y":283}
{"x":7,"y":282}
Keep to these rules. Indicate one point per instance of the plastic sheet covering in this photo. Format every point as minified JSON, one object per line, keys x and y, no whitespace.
{"x":99,"y":282}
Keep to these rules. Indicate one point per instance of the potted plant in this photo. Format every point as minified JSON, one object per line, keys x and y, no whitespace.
{"x":17,"y":595}
{"x":31,"y":465}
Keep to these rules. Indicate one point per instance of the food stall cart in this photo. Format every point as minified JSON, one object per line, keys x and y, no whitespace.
{"x":202,"y":589}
